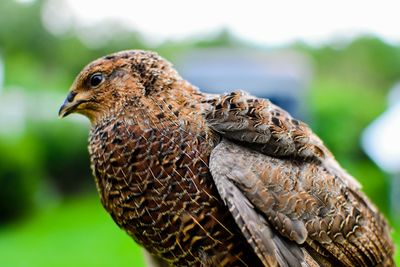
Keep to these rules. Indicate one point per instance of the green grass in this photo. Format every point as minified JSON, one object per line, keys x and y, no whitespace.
{"x":76,"y":233}
{"x":396,"y":237}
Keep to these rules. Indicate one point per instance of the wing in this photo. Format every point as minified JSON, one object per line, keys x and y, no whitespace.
{"x":285,"y":189}
{"x":268,"y":129}
{"x":293,"y":211}
{"x":269,"y":246}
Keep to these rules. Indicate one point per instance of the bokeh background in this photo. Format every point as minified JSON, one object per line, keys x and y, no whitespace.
{"x":334,"y":65}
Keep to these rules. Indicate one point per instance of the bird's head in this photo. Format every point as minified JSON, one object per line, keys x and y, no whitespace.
{"x":107,"y":83}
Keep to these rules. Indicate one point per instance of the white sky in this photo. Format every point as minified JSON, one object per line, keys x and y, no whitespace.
{"x":265,"y":22}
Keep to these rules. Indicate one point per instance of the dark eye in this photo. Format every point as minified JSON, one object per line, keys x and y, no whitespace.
{"x":96,"y":79}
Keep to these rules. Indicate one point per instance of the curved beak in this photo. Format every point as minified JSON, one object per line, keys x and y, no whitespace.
{"x":69,"y":105}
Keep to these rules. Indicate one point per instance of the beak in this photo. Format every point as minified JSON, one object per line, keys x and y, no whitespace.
{"x":69,"y":105}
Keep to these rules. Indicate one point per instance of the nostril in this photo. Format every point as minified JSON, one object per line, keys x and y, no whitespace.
{"x":71,"y":96}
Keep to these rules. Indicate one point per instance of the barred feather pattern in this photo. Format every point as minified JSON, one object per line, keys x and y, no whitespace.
{"x":294,"y":182}
{"x":156,"y":185}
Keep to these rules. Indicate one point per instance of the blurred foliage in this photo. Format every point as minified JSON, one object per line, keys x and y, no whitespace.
{"x":76,"y":233}
{"x":341,"y":112}
{"x":64,"y":155}
{"x":49,"y":160}
{"x":367,"y":61}
{"x":19,"y":176}
{"x":36,"y":59}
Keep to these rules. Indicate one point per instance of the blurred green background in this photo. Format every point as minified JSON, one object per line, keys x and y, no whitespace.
{"x":50,"y":214}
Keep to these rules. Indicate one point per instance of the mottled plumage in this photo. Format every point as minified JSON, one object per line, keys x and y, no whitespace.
{"x":218,"y":180}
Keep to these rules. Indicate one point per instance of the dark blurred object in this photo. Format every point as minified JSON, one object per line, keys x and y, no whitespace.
{"x":64,"y":156}
{"x":281,"y":77}
{"x":19,"y":177}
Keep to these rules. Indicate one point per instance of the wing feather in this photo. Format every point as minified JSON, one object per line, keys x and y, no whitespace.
{"x":286,"y":190}
{"x":272,"y":249}
{"x":268,"y":129}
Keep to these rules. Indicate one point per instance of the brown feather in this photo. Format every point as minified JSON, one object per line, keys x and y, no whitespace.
{"x":272,"y":196}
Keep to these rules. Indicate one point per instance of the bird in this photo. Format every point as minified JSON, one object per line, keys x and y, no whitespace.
{"x":218,"y":179}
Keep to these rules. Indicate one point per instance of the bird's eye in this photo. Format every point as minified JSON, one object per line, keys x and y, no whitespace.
{"x":96,"y":79}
